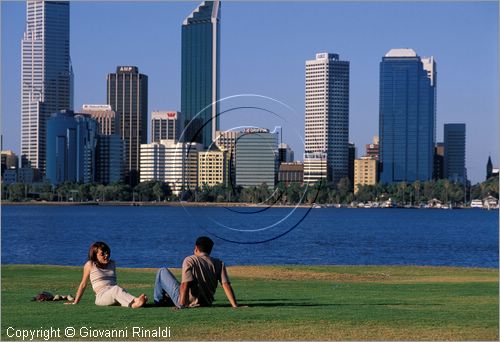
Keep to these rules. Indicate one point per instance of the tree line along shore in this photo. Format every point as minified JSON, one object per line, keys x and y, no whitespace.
{"x":417,"y":194}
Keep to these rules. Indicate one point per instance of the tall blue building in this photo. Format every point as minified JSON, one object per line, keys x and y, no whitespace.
{"x":200,"y":73}
{"x":407,"y":116}
{"x":454,"y":152}
{"x":46,"y":75}
{"x":71,"y":148}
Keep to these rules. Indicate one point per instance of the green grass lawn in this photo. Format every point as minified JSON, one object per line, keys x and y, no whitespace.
{"x":285,"y":303}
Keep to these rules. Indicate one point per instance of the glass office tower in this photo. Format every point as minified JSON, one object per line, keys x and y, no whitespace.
{"x":407,"y":115}
{"x":128,"y":95}
{"x":71,"y":148}
{"x":200,"y":73}
{"x":46,"y":75}
{"x":454,"y":152}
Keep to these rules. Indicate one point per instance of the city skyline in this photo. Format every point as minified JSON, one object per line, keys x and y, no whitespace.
{"x":276,"y":70}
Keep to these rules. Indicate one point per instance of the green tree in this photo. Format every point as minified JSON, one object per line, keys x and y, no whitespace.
{"x":344,"y":188}
{"x":16,"y":192}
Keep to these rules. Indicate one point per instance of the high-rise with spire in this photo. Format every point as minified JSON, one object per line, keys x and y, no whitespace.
{"x":46,"y":75}
{"x":200,"y":73}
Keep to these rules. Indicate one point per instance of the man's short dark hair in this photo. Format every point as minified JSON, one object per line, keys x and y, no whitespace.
{"x":204,"y":244}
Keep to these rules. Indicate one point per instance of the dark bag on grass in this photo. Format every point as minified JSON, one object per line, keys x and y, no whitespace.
{"x":43,"y":297}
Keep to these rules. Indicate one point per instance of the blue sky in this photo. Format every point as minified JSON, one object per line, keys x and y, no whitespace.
{"x":264,"y":47}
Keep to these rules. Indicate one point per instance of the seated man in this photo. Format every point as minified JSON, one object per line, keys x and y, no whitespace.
{"x":200,"y":274}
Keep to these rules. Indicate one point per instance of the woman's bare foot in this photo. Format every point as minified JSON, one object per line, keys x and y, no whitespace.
{"x":139,"y":301}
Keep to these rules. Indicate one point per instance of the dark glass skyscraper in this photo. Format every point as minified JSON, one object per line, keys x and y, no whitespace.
{"x":200,"y":73}
{"x":128,"y":95}
{"x":407,"y":116}
{"x":454,"y":152}
{"x":71,"y":148}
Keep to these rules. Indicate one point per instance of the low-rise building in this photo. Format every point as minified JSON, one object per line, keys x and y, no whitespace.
{"x":315,"y":167}
{"x":213,"y":168}
{"x":175,"y":163}
{"x":365,"y":172}
{"x":291,"y":173}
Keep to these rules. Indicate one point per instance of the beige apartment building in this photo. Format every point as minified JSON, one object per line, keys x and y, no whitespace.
{"x":365,"y":172}
{"x":213,"y":168}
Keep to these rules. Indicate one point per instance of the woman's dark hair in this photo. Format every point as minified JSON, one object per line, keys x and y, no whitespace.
{"x":94,"y":249}
{"x":205,"y":244}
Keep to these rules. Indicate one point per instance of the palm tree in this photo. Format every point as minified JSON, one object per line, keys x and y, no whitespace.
{"x":416,"y":186}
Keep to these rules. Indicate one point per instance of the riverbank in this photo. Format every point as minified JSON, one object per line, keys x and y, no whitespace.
{"x":215,"y":204}
{"x":167,"y":204}
{"x":284,"y":303}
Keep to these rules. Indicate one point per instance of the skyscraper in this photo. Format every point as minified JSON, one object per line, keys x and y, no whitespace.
{"x":46,"y":75}
{"x":407,"y":115}
{"x":128,"y":95}
{"x":454,"y":152}
{"x":200,"y":73}
{"x":327,"y":117}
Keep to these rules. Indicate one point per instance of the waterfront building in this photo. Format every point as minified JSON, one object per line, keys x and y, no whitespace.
{"x":9,"y":176}
{"x":315,"y":167}
{"x":285,"y":152}
{"x":365,"y":172}
{"x":28,"y":175}
{"x":292,"y":172}
{"x":226,"y":141}
{"x":9,"y":160}
{"x":454,"y":152}
{"x":372,"y":150}
{"x":127,"y":93}
{"x":407,"y":116}
{"x":46,"y":75}
{"x":108,"y":119}
{"x":152,"y":164}
{"x":213,"y":168}
{"x":256,"y":158}
{"x":110,"y":159}
{"x":175,"y":163}
{"x":438,"y":171}
{"x":327,"y":117}
{"x":200,"y":71}
{"x":181,"y":163}
{"x":352,"y":152}
{"x":166,"y":125}
{"x":71,"y":148}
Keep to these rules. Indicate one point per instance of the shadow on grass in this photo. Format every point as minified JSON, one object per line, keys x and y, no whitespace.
{"x":288,"y":303}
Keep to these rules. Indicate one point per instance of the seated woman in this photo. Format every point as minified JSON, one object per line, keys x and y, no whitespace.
{"x":101,"y":271}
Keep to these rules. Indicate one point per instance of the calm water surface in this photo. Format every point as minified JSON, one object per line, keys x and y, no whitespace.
{"x":157,"y":236}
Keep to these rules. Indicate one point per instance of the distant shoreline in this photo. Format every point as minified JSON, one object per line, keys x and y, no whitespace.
{"x":152,"y":204}
{"x":200,"y":204}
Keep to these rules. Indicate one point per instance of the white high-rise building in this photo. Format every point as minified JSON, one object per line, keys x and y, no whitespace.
{"x":175,"y":163}
{"x":46,"y":75}
{"x":326,"y":118}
